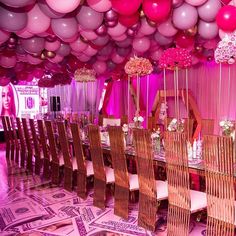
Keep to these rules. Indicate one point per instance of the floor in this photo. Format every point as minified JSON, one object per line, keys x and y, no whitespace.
{"x":31,"y":206}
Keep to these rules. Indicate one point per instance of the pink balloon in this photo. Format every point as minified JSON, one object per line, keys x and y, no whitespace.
{"x":146,"y":28}
{"x":89,"y":18}
{"x":177,"y":3}
{"x":100,"y":5}
{"x":84,"y":58}
{"x":7,"y":61}
{"x":33,"y":60}
{"x":101,"y":40}
{"x":88,"y":34}
{"x":106,"y":50}
{"x":162,"y":40}
{"x":100,"y":67}
{"x":18,"y":3}
{"x":118,"y":30}
{"x":124,"y":52}
{"x":52,"y":46}
{"x":78,"y":45}
{"x":207,"y":30}
{"x":89,"y":51}
{"x":125,"y":7}
{"x":155,"y":55}
{"x":12,"y":20}
{"x":33,"y":45}
{"x":38,"y":22}
{"x":72,"y":39}
{"x":64,"y":28}
{"x":120,"y":38}
{"x":141,"y":44}
{"x":24,"y":34}
{"x":211,"y":44}
{"x":125,"y":43}
{"x":196,"y":2}
{"x":64,"y":50}
{"x":116,"y":58}
{"x":167,"y":29}
{"x":63,"y":6}
{"x":185,"y":16}
{"x":4,"y":36}
{"x":48,"y":10}
{"x":56,"y":59}
{"x":102,"y":58}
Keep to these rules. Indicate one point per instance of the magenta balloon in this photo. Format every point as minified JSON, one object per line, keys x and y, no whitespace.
{"x":63,"y":6}
{"x":89,"y":18}
{"x":131,"y":33}
{"x":101,"y":40}
{"x":78,"y":45}
{"x":52,"y":46}
{"x":4,"y":36}
{"x":177,"y":3}
{"x":38,"y":72}
{"x":64,"y":28}
{"x":4,"y":81}
{"x":208,"y":30}
{"x":100,"y":67}
{"x":101,"y":30}
{"x":111,"y":15}
{"x":7,"y":61}
{"x":103,"y":58}
{"x":33,"y":45}
{"x":141,"y":44}
{"x":209,"y":10}
{"x":48,"y":10}
{"x":167,"y":29}
{"x":125,"y":43}
{"x":38,"y":22}
{"x":100,"y":5}
{"x":196,"y":2}
{"x":162,"y":40}
{"x":185,"y":17}
{"x":118,"y":30}
{"x":88,"y":34}
{"x":64,"y":50}
{"x":146,"y":28}
{"x":12,"y":19}
{"x":18,"y":3}
{"x":125,"y":7}
{"x":211,"y":44}
{"x":24,"y":34}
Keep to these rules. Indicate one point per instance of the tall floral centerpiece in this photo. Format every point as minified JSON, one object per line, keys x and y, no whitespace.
{"x":225,"y":53}
{"x":84,"y":75}
{"x":137,"y":67}
{"x":175,"y":59}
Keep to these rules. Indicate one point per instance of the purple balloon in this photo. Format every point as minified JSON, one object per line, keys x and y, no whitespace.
{"x":33,"y":45}
{"x":209,"y":10}
{"x":162,"y":40}
{"x":89,"y":18}
{"x":106,"y":50}
{"x":111,"y":65}
{"x":185,"y":16}
{"x":101,"y":40}
{"x":12,"y":19}
{"x":112,"y":23}
{"x":123,"y":51}
{"x":18,"y":3}
{"x":125,"y":43}
{"x":101,"y":30}
{"x":208,"y":30}
{"x":64,"y":28}
{"x":48,"y":10}
{"x":4,"y":36}
{"x":111,"y":15}
{"x":130,"y":32}
{"x":64,"y":50}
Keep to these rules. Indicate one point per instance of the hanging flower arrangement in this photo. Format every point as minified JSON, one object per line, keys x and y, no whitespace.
{"x":138,"y":66}
{"x":85,"y":75}
{"x":226,"y":50}
{"x":173,"y":58}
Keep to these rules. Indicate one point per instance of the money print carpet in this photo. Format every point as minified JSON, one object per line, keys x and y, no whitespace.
{"x":30,"y":206}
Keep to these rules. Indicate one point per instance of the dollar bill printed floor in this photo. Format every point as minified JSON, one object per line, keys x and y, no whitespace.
{"x":31,"y":206}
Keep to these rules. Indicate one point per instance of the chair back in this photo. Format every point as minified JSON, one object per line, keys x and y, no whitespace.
{"x":22,"y":140}
{"x":5,"y":128}
{"x":35,"y":137}
{"x":10,"y":130}
{"x":64,"y":144}
{"x":119,"y":163}
{"x":146,"y":178}
{"x":218,"y":153}
{"x":27,"y":135}
{"x":78,"y":148}
{"x":177,"y":170}
{"x":52,"y":141}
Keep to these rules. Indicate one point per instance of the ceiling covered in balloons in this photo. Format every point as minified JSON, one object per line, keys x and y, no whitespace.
{"x":60,"y":36}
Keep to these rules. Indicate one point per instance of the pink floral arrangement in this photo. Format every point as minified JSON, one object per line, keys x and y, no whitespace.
{"x":226,"y":50}
{"x":138,"y":66}
{"x":173,"y":58}
{"x":85,"y":75}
